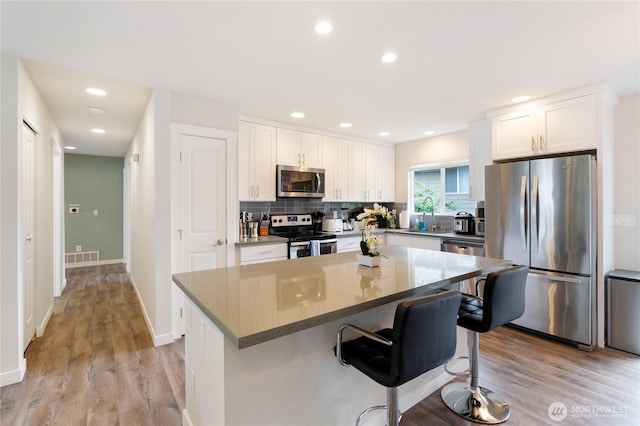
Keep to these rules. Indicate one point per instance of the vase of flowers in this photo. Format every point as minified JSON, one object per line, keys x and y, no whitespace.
{"x":370,"y":219}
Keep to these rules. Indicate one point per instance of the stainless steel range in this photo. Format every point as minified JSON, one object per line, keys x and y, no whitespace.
{"x":305,"y":239}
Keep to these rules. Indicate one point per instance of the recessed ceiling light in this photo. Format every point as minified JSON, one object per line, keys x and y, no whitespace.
{"x":384,"y":133}
{"x":100,"y":131}
{"x":69,"y":147}
{"x":94,"y":109}
{"x":520,"y":99}
{"x":323,"y":27}
{"x":297,"y":114}
{"x":389,"y":57}
{"x":429,"y":132}
{"x":345,"y":125}
{"x":97,"y":92}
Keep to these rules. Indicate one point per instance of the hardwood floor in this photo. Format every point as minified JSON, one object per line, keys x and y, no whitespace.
{"x":96,"y":364}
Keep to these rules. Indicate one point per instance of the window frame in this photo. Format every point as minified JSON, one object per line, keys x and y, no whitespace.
{"x":434,"y":166}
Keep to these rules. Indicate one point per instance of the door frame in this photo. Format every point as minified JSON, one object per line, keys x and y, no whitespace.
{"x":231,"y":205}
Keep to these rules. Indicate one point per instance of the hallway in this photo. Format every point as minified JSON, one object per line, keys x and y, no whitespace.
{"x":96,"y":363}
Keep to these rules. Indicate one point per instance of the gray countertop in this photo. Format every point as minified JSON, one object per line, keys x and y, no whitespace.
{"x":256,"y":303}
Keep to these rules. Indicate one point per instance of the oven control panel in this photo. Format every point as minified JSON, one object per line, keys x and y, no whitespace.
{"x":291,"y":220}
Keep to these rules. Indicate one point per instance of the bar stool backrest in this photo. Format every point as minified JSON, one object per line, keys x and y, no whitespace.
{"x":424,"y":334}
{"x":503,"y":299}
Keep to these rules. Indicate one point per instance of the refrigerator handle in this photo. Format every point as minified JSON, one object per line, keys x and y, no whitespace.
{"x":535,"y":204}
{"x":523,"y":207}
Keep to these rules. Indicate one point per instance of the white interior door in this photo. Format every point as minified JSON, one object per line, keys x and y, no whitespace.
{"x":202,"y":199}
{"x":26,"y":213}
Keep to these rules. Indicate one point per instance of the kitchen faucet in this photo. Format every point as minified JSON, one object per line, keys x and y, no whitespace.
{"x":424,"y":214}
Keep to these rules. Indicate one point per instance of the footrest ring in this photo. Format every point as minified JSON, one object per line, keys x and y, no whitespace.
{"x":457,"y":373}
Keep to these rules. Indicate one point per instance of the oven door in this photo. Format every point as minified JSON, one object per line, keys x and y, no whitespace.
{"x":299,"y":249}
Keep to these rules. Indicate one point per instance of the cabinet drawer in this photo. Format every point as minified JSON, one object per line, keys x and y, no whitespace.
{"x":263,"y":252}
{"x":348,"y":244}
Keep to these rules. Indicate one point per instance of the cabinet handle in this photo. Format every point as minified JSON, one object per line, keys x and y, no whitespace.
{"x":298,"y":158}
{"x":379,"y":195}
{"x":541,"y":143}
{"x":258,"y":191}
{"x":340,"y":194}
{"x":533,"y":143}
{"x":304,"y":159}
{"x":251,"y":191}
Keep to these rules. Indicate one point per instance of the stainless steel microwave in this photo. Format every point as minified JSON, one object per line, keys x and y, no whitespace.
{"x":296,"y":181}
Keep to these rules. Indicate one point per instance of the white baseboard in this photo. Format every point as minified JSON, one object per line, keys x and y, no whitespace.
{"x":98,"y":263}
{"x":158,"y":340}
{"x":14,"y":376}
{"x":43,"y":325}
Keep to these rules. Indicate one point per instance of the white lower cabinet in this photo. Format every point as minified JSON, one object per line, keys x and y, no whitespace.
{"x":417,"y":241}
{"x":348,"y":244}
{"x":247,"y":255}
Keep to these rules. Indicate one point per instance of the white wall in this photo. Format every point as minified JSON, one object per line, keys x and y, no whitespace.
{"x":452,"y":146}
{"x":150,"y":207}
{"x":627,"y":182}
{"x":21,"y":100}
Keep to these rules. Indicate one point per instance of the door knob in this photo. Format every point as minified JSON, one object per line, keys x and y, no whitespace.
{"x":218,"y":243}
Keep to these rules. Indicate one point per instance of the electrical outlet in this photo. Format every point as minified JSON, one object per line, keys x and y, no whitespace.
{"x":78,"y":248}
{"x":95,"y":212}
{"x":624,"y":220}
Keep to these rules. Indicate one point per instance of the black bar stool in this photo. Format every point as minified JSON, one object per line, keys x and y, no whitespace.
{"x":423,"y":337}
{"x":503,"y":302}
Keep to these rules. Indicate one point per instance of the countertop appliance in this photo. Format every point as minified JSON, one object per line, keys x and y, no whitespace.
{"x":623,"y":315}
{"x":304,"y":238}
{"x":541,"y":213}
{"x":463,"y":223}
{"x":332,"y":225}
{"x":302,"y":182}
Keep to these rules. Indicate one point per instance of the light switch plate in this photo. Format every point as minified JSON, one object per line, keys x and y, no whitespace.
{"x":624,"y":220}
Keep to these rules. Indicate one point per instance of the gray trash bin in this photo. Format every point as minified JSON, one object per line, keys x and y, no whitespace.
{"x":623,"y":310}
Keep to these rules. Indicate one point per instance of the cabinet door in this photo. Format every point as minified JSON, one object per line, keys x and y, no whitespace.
{"x":246,"y":133}
{"x":386,"y":173}
{"x":370,"y":172}
{"x":343,"y":169}
{"x":357,"y":171}
{"x":264,"y":163}
{"x":568,"y":125}
{"x":310,"y":150}
{"x":514,"y":134}
{"x":329,"y":163}
{"x":479,"y":157}
{"x":428,"y":243}
{"x":397,"y":240}
{"x":288,"y":147}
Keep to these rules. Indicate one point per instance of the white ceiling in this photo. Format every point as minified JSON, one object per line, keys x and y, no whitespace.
{"x":456,"y":59}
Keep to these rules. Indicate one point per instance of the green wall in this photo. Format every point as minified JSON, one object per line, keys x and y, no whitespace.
{"x":96,"y":184}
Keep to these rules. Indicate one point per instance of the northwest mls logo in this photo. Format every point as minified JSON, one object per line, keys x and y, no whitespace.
{"x":557,"y":411}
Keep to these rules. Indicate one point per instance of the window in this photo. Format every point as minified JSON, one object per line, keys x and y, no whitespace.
{"x":448,"y":187}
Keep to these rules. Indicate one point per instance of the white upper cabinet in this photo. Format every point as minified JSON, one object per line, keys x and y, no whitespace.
{"x":563,"y":126}
{"x":296,"y":148}
{"x":479,"y":157}
{"x":372,"y":172}
{"x":257,"y":162}
{"x":386,"y":173}
{"x":336,"y":161}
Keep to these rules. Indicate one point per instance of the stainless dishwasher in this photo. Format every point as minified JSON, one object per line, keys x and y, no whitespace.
{"x":463,"y":246}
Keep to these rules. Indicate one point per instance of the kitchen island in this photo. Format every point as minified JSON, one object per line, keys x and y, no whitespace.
{"x":259,"y":338}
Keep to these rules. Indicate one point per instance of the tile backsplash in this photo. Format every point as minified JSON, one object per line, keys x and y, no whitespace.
{"x":301,"y":205}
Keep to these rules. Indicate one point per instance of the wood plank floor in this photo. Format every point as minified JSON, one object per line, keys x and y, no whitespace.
{"x":96,"y":365}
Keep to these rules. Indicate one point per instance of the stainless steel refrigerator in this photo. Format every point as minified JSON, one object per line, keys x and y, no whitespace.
{"x":542,"y":213}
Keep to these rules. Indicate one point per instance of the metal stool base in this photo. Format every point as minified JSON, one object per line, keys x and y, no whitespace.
{"x":478,"y":405}
{"x":376,"y":407}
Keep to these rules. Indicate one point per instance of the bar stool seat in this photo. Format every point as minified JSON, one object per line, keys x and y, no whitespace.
{"x":503,"y":302}
{"x":423,"y":337}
